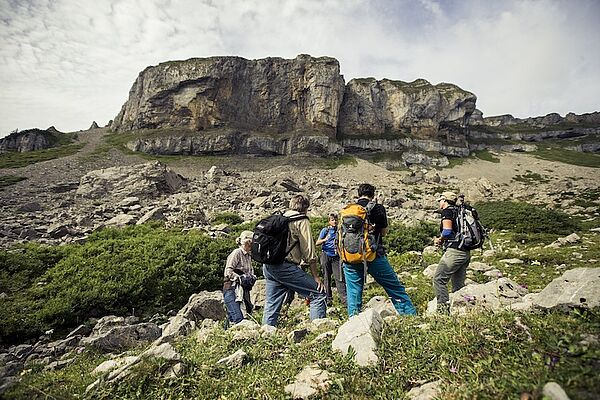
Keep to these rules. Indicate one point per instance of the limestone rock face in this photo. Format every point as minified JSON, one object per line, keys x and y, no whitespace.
{"x":386,"y":107}
{"x":579,"y":287}
{"x":29,"y":140}
{"x":148,"y":179}
{"x":362,"y":333}
{"x":272,"y":94}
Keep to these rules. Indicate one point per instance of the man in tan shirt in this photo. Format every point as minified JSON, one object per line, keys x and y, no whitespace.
{"x":288,"y":276}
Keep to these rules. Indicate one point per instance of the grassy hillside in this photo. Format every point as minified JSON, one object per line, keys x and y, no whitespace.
{"x":488,"y":355}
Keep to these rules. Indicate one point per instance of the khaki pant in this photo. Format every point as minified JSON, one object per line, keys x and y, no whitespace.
{"x":453,"y":265}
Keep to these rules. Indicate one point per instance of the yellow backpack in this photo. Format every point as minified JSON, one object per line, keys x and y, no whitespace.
{"x":356,"y":245}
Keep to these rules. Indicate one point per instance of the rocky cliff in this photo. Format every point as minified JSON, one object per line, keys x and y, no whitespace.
{"x":28,"y":140}
{"x":386,"y":107}
{"x":268,"y":95}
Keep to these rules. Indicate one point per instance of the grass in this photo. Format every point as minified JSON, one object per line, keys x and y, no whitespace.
{"x":530,"y":178}
{"x":486,"y":155}
{"x":568,"y":157}
{"x":8,"y":180}
{"x":17,"y":160}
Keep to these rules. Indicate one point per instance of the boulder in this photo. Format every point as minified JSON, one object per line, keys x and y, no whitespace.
{"x":110,"y":365}
{"x":361,"y":332}
{"x":155,"y":214}
{"x":121,"y":220}
{"x":576,"y":288}
{"x":151,"y":179}
{"x":236,"y":360}
{"x":427,"y":391}
{"x":494,"y":295}
{"x":204,"y":305}
{"x":310,"y":381}
{"x":123,"y":337}
{"x":553,"y":391}
{"x":382,"y":305}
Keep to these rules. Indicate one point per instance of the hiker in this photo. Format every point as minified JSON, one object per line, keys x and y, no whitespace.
{"x":280,"y":278}
{"x":330,"y":260}
{"x":454,"y":262}
{"x":376,"y":263}
{"x":239,"y":279}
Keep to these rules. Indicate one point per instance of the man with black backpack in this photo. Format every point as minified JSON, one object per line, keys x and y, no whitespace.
{"x":453,"y":264}
{"x":282,"y":243}
{"x":360,"y":245}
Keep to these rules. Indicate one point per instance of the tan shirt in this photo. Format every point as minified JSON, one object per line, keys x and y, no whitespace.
{"x":305,"y":251}
{"x":238,"y":259}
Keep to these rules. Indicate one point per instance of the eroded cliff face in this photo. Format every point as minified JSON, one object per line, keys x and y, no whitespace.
{"x":28,"y":140}
{"x":394,"y":108}
{"x":268,"y":95}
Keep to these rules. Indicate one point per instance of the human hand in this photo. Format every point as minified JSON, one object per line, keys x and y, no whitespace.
{"x":320,"y":286}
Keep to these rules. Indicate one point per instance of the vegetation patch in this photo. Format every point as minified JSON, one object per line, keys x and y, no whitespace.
{"x":229,"y":218}
{"x":16,"y":160}
{"x":486,"y":155}
{"x":530,"y":178}
{"x":8,"y":180}
{"x":526,"y":218}
{"x":568,"y":156}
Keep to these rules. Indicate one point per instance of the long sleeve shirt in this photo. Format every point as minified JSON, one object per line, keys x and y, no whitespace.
{"x":305,"y":251}
{"x":238,"y":259}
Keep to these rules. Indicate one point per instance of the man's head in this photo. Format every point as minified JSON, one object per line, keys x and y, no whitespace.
{"x":366,"y":190}
{"x":299,"y":203}
{"x":447,"y":198}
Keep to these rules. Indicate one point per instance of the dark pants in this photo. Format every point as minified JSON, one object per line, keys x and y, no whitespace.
{"x":332,"y":266}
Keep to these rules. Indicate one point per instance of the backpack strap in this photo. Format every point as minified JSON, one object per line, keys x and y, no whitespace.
{"x":294,"y":218}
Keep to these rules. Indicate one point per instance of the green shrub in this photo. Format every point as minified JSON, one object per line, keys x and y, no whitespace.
{"x":402,"y":238}
{"x":525,"y":218}
{"x":9,"y":180}
{"x":117,"y":271}
{"x":229,"y":218}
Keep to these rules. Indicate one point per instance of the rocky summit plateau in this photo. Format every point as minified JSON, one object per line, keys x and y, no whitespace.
{"x":113,"y":241}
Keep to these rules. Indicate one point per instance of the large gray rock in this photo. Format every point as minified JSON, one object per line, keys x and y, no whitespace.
{"x":204,"y":305}
{"x":310,"y":381}
{"x":142,"y":180}
{"x":271,"y":94}
{"x":377,"y":108}
{"x":28,"y":140}
{"x":428,"y":391}
{"x":235,"y":360}
{"x":579,"y":287}
{"x":494,"y":295}
{"x":553,"y":391}
{"x":123,"y":337}
{"x":362,"y":333}
{"x":382,"y":305}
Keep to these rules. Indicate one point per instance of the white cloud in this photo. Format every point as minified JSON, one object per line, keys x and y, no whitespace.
{"x":67,"y":62}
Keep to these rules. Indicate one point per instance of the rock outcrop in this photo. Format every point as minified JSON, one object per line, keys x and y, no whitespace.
{"x":576,"y":288}
{"x":386,"y":107}
{"x":268,"y":95}
{"x":28,"y":140}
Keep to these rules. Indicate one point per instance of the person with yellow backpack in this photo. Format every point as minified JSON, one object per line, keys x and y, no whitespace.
{"x":360,"y":246}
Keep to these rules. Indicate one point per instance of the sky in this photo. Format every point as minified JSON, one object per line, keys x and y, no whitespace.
{"x":70,"y":62}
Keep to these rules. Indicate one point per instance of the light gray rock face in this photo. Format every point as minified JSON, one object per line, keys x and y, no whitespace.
{"x":378,"y":108}
{"x":235,"y":360}
{"x":310,"y":381}
{"x":123,"y":337}
{"x":29,"y":140}
{"x":272,"y":94}
{"x":143,"y":180}
{"x":579,"y":287}
{"x":494,"y":295}
{"x":237,"y":142}
{"x":361,"y":332}
{"x":382,"y":305}
{"x":352,"y":144}
{"x":553,"y":391}
{"x":428,"y":391}
{"x":204,"y":305}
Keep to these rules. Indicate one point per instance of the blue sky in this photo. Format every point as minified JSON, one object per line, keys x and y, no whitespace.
{"x":67,"y":63}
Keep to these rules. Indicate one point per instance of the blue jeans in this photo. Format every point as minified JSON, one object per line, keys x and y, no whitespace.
{"x":234,"y":311}
{"x":381,"y":270}
{"x":284,"y":277}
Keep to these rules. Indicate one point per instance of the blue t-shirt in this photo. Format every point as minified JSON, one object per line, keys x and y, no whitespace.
{"x":329,"y":246}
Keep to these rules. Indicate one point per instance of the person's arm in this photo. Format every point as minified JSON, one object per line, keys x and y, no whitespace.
{"x":323,"y":237}
{"x":446,"y":232}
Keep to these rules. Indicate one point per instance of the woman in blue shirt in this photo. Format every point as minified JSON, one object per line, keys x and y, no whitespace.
{"x":330,"y":260}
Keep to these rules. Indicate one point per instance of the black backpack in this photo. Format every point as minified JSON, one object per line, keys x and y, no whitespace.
{"x":470,"y":234}
{"x":269,"y":242}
